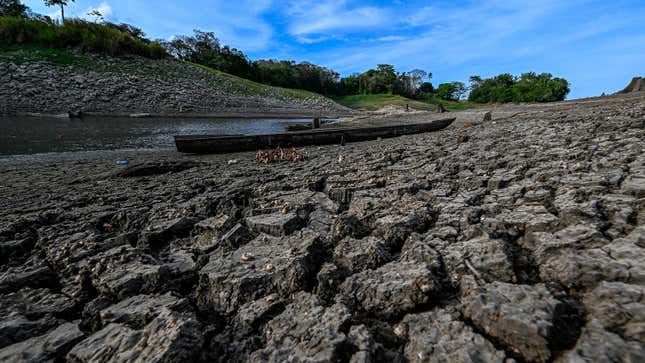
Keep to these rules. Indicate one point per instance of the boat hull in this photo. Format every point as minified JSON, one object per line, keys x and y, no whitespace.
{"x":215,"y":144}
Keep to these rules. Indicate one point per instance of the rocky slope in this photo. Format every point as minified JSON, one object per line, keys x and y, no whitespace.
{"x":121,"y":86}
{"x":517,"y":239}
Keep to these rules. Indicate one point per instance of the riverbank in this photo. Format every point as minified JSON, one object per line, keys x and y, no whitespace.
{"x":36,"y":82}
{"x":520,"y":237}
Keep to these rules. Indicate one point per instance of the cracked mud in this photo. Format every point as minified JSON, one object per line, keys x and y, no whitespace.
{"x":520,"y":238}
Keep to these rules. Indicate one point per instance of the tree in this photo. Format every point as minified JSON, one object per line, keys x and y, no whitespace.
{"x":451,"y":91}
{"x":445,"y":91}
{"x":426,"y":87}
{"x":96,"y":15}
{"x":417,"y":76}
{"x":13,"y":8}
{"x":528,"y":87}
{"x":459,"y":90}
{"x":475,"y":82}
{"x":62,"y":4}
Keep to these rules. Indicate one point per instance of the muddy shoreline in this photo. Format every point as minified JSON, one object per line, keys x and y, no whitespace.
{"x":518,"y":238}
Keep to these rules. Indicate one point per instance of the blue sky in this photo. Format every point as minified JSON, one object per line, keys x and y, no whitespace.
{"x":597,"y":45}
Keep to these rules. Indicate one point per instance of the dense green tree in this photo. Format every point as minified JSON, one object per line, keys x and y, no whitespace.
{"x":528,"y":87}
{"x":13,"y":8}
{"x":426,"y":88}
{"x":204,"y":48}
{"x":452,"y":91}
{"x":62,"y":4}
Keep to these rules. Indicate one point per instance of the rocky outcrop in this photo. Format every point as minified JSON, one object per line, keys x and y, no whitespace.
{"x":132,"y":85}
{"x":523,"y":241}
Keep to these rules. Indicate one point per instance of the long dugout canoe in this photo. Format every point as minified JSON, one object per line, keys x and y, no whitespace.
{"x":216,"y":144}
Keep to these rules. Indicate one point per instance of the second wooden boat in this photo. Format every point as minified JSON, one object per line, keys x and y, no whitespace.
{"x":214,"y":144}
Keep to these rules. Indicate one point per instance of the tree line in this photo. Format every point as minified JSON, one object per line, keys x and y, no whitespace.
{"x":205,"y":48}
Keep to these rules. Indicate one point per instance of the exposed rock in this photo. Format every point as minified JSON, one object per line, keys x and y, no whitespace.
{"x":125,"y":272}
{"x":38,"y":275}
{"x":599,"y":345}
{"x":390,"y":290}
{"x":439,"y":336}
{"x":36,"y":303}
{"x":521,"y":316}
{"x":211,"y":230}
{"x":137,"y":311}
{"x":15,"y":328}
{"x":160,"y":232}
{"x":170,"y":337}
{"x":139,"y":87}
{"x":356,"y":255}
{"x":306,"y":331}
{"x":280,"y":265}
{"x":329,"y":279}
{"x":619,"y":308}
{"x":277,"y":224}
{"x":49,"y":347}
{"x":487,"y":256}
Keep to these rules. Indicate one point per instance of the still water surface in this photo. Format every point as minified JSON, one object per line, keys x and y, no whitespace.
{"x":30,"y":135}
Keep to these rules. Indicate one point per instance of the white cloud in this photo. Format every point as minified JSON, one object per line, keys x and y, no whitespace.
{"x":323,"y":17}
{"x":391,"y":38}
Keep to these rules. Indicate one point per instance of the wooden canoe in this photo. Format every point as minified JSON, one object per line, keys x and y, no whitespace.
{"x":215,"y":144}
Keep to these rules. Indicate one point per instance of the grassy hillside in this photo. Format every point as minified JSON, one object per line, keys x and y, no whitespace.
{"x":375,"y":102}
{"x":169,"y":69}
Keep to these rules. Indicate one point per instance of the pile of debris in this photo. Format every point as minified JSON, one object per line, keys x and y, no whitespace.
{"x":268,"y":157}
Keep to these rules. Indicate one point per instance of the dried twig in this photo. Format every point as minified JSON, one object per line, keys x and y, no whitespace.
{"x":268,"y":157}
{"x":473,"y":269}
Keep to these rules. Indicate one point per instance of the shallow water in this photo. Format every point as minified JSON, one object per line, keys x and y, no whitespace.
{"x":30,"y":135}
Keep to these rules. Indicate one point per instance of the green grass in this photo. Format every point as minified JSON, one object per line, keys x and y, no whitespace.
{"x":377,"y":101}
{"x":34,"y":53}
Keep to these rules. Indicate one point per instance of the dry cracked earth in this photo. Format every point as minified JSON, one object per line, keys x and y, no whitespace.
{"x":520,"y":239}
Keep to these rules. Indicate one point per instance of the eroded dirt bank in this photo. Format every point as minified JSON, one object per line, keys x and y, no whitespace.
{"x":522,"y":237}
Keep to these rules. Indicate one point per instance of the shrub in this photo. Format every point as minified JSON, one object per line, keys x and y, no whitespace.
{"x":78,"y":34}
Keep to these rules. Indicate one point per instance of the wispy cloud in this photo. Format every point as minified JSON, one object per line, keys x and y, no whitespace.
{"x":321,"y":17}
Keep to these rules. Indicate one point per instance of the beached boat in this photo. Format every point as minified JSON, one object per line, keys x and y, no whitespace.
{"x":214,"y":144}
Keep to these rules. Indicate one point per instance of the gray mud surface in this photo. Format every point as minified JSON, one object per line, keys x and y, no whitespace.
{"x":516,"y":239}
